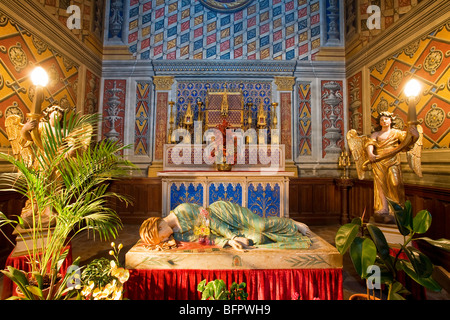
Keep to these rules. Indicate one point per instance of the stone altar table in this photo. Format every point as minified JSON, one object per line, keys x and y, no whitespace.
{"x":270,"y":274}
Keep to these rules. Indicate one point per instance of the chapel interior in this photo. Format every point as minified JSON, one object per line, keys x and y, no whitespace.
{"x":312,"y":70}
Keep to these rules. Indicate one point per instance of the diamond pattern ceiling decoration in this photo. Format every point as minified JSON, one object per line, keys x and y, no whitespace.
{"x":182,"y":29}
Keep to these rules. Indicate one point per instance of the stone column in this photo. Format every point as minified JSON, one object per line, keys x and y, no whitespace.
{"x":163,"y":86}
{"x":285,"y":88}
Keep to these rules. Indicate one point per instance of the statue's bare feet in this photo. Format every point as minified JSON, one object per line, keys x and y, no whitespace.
{"x":303,"y":228}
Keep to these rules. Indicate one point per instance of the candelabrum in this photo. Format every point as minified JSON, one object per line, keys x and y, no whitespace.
{"x":171,"y":122}
{"x":200,"y":117}
{"x":275,"y":137}
{"x":249,"y":121}
{"x":344,"y":163}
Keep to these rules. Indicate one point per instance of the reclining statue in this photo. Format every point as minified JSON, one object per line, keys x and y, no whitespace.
{"x":229,"y":223}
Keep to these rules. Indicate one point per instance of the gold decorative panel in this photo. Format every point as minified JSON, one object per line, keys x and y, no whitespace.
{"x":20,"y":52}
{"x":427,"y":60}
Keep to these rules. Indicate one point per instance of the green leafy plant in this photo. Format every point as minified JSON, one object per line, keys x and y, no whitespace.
{"x":367,"y":246}
{"x":103,"y":279}
{"x":72,"y":182}
{"x":217,"y":290}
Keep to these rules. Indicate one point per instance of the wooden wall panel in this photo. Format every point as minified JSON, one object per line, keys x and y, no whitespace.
{"x":146,"y":194}
{"x":314,"y":201}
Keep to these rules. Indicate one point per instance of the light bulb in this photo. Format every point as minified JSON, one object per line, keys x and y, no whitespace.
{"x":39,"y":77}
{"x":412,"y":88}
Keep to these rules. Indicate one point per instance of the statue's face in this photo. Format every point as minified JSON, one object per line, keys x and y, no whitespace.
{"x":385,"y":121}
{"x":164,"y":231}
{"x":54,"y":116}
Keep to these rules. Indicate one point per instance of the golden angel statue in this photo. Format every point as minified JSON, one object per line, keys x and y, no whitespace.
{"x":26,"y":138}
{"x":380,"y":153}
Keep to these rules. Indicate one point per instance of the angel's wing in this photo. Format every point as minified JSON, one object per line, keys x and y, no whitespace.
{"x":414,"y":155}
{"x":356,"y":144}
{"x":13,"y":127}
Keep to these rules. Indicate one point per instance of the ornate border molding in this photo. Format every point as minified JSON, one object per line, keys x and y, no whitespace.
{"x":285,"y":83}
{"x":233,"y":67}
{"x":163,"y":82}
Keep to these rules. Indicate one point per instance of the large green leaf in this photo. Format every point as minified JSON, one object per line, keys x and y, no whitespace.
{"x":428,"y":283}
{"x":421,"y":263}
{"x":345,"y":236}
{"x":36,"y":291}
{"x":396,"y":291}
{"x":403,"y":216}
{"x":440,"y":243}
{"x":363,"y":254}
{"x":422,"y":221}
{"x":382,"y":246}
{"x":357,"y":221}
{"x":38,"y":277}
{"x":380,"y":241}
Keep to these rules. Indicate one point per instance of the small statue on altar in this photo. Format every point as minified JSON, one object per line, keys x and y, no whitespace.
{"x":380,"y":153}
{"x":229,"y":224}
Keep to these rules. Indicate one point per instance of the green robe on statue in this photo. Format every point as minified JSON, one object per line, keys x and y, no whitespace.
{"x":228,"y":220}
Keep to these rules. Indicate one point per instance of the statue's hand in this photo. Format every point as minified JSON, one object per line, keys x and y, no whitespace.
{"x":242,"y":240}
{"x":29,"y":125}
{"x":303,"y":228}
{"x":236,"y":245}
{"x":414,"y":132}
{"x":372,"y":157}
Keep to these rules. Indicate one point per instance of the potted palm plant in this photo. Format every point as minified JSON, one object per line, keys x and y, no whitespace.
{"x":368,"y":247}
{"x":71,"y":181}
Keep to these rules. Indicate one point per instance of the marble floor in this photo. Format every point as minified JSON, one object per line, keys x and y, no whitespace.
{"x":88,"y":248}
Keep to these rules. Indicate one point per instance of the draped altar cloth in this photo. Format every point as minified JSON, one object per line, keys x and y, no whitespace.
{"x":262,"y":284}
{"x":270,"y":274}
{"x":22,"y":263}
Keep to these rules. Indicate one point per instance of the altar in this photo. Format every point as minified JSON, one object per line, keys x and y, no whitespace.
{"x":258,"y":182}
{"x":263,"y":195}
{"x":270,"y":274}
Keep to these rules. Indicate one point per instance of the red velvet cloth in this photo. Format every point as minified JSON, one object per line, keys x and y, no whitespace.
{"x":21,"y":263}
{"x":268,"y":284}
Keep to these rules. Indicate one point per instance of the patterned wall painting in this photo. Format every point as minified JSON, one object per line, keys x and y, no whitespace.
{"x":304,"y":119}
{"x":332,"y":117}
{"x":193,"y":91}
{"x":285,"y":123}
{"x":20,"y":52}
{"x":427,"y":60}
{"x":354,"y":89}
{"x":92,"y":97}
{"x":114,"y":109}
{"x":162,"y":102}
{"x":182,"y":29}
{"x":142,"y":123}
